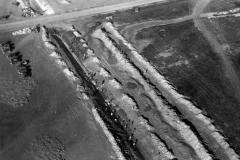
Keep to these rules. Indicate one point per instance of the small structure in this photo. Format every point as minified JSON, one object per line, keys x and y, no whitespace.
{"x":136,"y":9}
{"x":109,"y":18}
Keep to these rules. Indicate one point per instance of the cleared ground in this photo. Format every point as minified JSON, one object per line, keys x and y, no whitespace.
{"x":148,"y":109}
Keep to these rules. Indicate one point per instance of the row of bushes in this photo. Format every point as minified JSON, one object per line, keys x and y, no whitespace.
{"x":23,"y":67}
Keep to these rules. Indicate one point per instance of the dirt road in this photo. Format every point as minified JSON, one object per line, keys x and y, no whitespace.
{"x":229,"y":69}
{"x":131,"y":30}
{"x":88,"y":12}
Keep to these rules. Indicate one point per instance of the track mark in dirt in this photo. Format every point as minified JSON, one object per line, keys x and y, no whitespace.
{"x":131,"y":30}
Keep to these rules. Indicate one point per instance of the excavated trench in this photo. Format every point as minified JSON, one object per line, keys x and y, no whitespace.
{"x":112,"y":121}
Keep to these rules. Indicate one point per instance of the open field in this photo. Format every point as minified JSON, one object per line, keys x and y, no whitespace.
{"x":53,"y":110}
{"x":226,"y":32}
{"x":6,"y":7}
{"x":182,"y":54}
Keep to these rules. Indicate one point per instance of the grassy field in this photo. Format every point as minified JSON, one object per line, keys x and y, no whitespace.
{"x":183,"y":55}
{"x":226,"y":32}
{"x":6,"y":7}
{"x":163,"y":11}
{"x":54,"y":113}
{"x":222,"y":5}
{"x":228,"y":29}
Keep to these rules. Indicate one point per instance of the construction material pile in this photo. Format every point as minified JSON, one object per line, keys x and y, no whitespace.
{"x":28,"y":12}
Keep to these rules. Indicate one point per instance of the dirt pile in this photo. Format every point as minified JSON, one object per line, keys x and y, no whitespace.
{"x":109,"y":135}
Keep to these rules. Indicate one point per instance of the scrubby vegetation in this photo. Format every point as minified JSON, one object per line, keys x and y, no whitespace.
{"x":46,"y":147}
{"x":16,"y":93}
{"x":23,"y":67}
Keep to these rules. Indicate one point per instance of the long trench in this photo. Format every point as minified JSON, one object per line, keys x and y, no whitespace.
{"x":120,"y":134}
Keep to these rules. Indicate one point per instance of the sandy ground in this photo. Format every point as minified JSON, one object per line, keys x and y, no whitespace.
{"x":53,"y":111}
